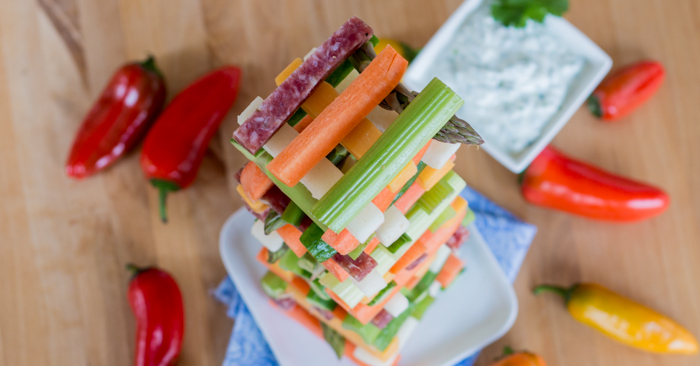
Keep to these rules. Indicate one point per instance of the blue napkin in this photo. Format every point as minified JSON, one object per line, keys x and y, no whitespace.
{"x":507,"y":237}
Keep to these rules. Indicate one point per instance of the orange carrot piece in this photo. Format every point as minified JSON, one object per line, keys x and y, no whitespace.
{"x":413,"y":253}
{"x":339,"y":118}
{"x":372,"y":245}
{"x":365,"y":313}
{"x":336,"y":270}
{"x":409,"y":198}
{"x":255,"y":183}
{"x":450,"y":270}
{"x":291,"y":235}
{"x":412,"y":282}
{"x":301,"y":285}
{"x":419,"y":156}
{"x":273,"y":267}
{"x":384,"y":199}
{"x":344,"y":242}
{"x":444,"y":233}
{"x":305,"y":122}
{"x":340,"y":313}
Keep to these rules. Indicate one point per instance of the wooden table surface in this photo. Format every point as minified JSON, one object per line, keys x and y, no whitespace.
{"x":64,"y":243}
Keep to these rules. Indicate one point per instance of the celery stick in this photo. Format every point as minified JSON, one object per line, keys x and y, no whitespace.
{"x":314,"y":299}
{"x":422,"y":306}
{"x":361,"y":248}
{"x":293,"y":214}
{"x":299,"y":194}
{"x":445,"y":215}
{"x":421,"y":120}
{"x":273,"y":285}
{"x":400,"y":242}
{"x":290,"y":262}
{"x":368,"y":332}
{"x":436,"y":195}
{"x":387,"y":334}
{"x":468,"y":218}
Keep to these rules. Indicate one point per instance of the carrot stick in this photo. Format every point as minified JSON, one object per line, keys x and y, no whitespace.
{"x":409,"y":198}
{"x":339,"y":118}
{"x":419,"y":156}
{"x":301,"y":285}
{"x":291,"y":236}
{"x":255,"y":183}
{"x":411,"y":255}
{"x":336,"y":270}
{"x":305,"y":122}
{"x":344,"y":242}
{"x":450,"y":270}
{"x":372,"y":245}
{"x":384,"y":199}
{"x":273,"y":267}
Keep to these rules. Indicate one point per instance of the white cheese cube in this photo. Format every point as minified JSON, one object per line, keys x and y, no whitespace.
{"x":395,"y":224}
{"x":396,"y":305}
{"x":407,"y":328}
{"x":248,"y":111}
{"x":272,"y":242}
{"x":434,"y":289}
{"x":347,"y":81}
{"x":321,"y":178}
{"x":366,"y":223}
{"x":371,"y":284}
{"x":439,"y":153}
{"x":283,"y":137}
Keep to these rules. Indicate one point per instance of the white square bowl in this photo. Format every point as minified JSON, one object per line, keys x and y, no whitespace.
{"x":477,"y":309}
{"x":597,"y":65}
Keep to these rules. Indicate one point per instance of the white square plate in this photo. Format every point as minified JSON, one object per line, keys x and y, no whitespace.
{"x":477,"y":309}
{"x":598,"y":63}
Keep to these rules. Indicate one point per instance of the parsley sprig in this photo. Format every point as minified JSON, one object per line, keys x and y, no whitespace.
{"x":517,"y":12}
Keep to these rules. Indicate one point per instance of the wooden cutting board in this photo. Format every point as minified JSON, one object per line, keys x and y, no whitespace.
{"x":64,"y":243}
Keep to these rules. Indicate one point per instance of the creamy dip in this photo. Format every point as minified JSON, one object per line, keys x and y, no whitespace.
{"x":512,"y":80}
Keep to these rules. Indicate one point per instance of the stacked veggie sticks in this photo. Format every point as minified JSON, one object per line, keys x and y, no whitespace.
{"x":358,"y":208}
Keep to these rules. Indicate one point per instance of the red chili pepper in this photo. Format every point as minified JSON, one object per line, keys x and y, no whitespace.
{"x":626,"y":90}
{"x":120,"y":117}
{"x":557,"y":181}
{"x":156,"y":301}
{"x":176,"y":144}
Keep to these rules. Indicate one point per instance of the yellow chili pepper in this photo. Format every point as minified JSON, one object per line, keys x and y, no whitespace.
{"x":624,"y":320}
{"x":403,"y":49}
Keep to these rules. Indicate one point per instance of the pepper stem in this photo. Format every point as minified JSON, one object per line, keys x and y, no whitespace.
{"x":507,"y":351}
{"x":133,"y":269}
{"x":593,"y":105}
{"x":164,"y":187}
{"x":150,"y":65}
{"x":561,"y":291}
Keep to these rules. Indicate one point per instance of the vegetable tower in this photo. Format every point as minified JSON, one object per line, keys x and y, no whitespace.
{"x":350,"y":178}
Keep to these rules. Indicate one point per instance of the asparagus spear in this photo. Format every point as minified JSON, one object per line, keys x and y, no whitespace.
{"x":456,"y":130}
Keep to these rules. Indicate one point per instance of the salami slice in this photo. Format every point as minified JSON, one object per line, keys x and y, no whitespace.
{"x":288,"y":97}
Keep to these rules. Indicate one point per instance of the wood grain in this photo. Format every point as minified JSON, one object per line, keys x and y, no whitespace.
{"x":63,"y":244}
